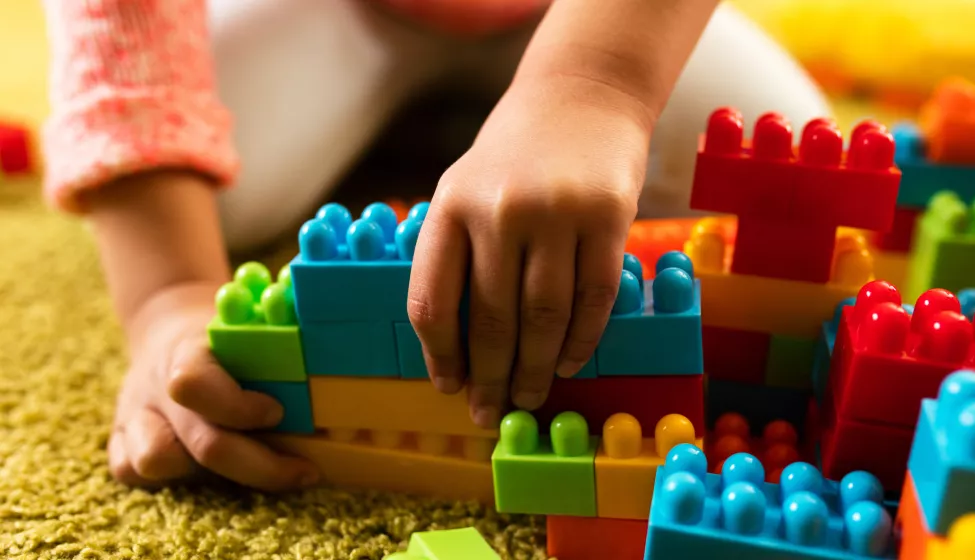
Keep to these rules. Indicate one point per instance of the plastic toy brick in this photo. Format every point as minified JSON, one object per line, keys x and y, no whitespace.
{"x":735,"y":355}
{"x":790,"y":362}
{"x":354,"y":348}
{"x":655,"y":328}
{"x":967,"y":300}
{"x":355,"y":271}
{"x":771,"y":305}
{"x":590,"y":538}
{"x":944,"y":247}
{"x":626,"y":463}
{"x":760,"y":405}
{"x":848,"y":445}
{"x":648,"y":399}
{"x":916,"y":540}
{"x":424,"y":465}
{"x":293,"y":397}
{"x":888,"y":357}
{"x":824,"y":350}
{"x":255,"y":333}
{"x":15,"y":150}
{"x":923,"y":178}
{"x":548,"y":475}
{"x":942,"y":460}
{"x":901,"y":235}
{"x":778,"y":446}
{"x":453,"y":544}
{"x":948,"y":122}
{"x":409,"y":353}
{"x":412,"y":405}
{"x":781,"y":250}
{"x":648,"y":240}
{"x":736,"y":515}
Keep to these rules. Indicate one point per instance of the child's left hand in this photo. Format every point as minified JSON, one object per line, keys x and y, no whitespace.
{"x":538,"y":211}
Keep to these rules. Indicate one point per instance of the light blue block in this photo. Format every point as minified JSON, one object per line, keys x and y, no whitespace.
{"x":358,"y":349}
{"x":942,"y":462}
{"x":920,"y":178}
{"x":588,"y":371}
{"x":295,"y":399}
{"x":410,"y":353}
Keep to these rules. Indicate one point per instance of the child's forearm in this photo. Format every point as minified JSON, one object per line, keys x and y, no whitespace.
{"x":157,"y":231}
{"x":635,"y":49}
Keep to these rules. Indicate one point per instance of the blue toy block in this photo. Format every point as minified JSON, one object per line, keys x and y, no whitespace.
{"x":967,"y":300}
{"x":759,"y":404}
{"x":921,"y":179}
{"x":295,"y":399}
{"x":354,"y":271}
{"x":736,"y":514}
{"x":942,"y":462}
{"x":655,"y":327}
{"x":358,"y":349}
{"x":409,"y":353}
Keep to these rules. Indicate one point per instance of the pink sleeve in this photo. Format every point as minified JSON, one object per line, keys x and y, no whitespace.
{"x":132,"y":89}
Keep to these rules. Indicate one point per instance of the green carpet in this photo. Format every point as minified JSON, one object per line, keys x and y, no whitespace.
{"x":61,"y":360}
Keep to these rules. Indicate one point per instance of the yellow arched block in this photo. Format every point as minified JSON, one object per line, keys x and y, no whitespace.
{"x":959,"y":544}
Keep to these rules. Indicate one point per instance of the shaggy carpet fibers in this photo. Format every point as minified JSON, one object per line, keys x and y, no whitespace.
{"x":61,"y":361}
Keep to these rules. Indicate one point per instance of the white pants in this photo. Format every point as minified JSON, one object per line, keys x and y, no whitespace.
{"x":311,"y":83}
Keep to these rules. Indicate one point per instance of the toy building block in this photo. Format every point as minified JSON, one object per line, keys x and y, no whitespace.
{"x":735,"y":355}
{"x":918,"y":542}
{"x":655,"y":328}
{"x":901,"y":235}
{"x":778,"y":445}
{"x":15,"y":150}
{"x":413,"y":405}
{"x":887,"y":358}
{"x":626,"y":463}
{"x":255,"y":334}
{"x":548,"y":475}
{"x":648,"y":240}
{"x":453,"y":544}
{"x":967,"y":300}
{"x":363,"y":349}
{"x":923,"y":178}
{"x":948,"y":122}
{"x":293,"y":397}
{"x":944,"y":247}
{"x":790,"y":201}
{"x":759,"y":404}
{"x":589,"y":538}
{"x":942,"y":460}
{"x":771,"y":305}
{"x":891,"y":266}
{"x":648,"y":399}
{"x":824,"y":350}
{"x":849,"y":445}
{"x":449,"y":467}
{"x":790,"y":362}
{"x":736,"y":514}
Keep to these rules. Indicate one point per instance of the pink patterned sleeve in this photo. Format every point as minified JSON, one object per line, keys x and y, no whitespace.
{"x":132,"y":89}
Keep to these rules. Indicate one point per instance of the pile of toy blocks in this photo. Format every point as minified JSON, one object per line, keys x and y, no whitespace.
{"x":15,"y":150}
{"x":767,"y":291}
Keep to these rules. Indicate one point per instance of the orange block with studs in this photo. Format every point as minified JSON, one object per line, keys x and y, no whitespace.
{"x":947,"y":122}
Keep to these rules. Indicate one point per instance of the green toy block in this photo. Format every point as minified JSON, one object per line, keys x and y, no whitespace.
{"x":547,"y":475}
{"x":790,"y":362}
{"x":453,"y":544}
{"x":255,"y":334}
{"x":944,"y":247}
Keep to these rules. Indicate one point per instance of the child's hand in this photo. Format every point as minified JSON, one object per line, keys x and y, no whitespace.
{"x":178,"y":410}
{"x":539,"y":209}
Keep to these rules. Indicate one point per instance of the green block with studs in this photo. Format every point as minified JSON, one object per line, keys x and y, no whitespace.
{"x":944,"y":247}
{"x":255,"y":334}
{"x":452,"y":544}
{"x":545,"y":475}
{"x":790,"y":362}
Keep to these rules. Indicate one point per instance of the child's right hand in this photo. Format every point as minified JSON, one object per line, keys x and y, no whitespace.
{"x":179,"y":410}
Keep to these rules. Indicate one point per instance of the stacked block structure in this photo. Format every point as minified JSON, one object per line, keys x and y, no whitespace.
{"x":793,"y":256}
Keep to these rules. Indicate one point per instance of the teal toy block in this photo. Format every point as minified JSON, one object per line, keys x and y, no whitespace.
{"x":790,"y":362}
{"x":655,"y":327}
{"x":295,"y":399}
{"x":943,"y":248}
{"x":355,"y":271}
{"x":942,"y":460}
{"x":920,"y":178}
{"x":736,"y":514}
{"x":967,"y":300}
{"x":409,"y":352}
{"x":453,"y":544}
{"x":255,"y":334}
{"x":356,"y":349}
{"x":545,"y":475}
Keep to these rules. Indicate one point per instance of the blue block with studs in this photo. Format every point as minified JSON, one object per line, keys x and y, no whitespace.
{"x":352,"y":348}
{"x":655,"y":327}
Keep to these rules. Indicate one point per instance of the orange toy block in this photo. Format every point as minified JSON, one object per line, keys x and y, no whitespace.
{"x":449,"y":467}
{"x":389,"y":404}
{"x":595,"y":538}
{"x":771,"y":305}
{"x":626,"y":463}
{"x":918,"y":543}
{"x":648,"y":240}
{"x":947,"y":122}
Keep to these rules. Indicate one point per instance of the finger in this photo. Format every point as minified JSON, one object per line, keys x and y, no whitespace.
{"x":495,"y":293}
{"x":598,"y":268}
{"x":198,"y":383}
{"x":153,"y":449}
{"x":436,"y":288}
{"x":237,"y":457}
{"x":118,"y":461}
{"x":546,"y":309}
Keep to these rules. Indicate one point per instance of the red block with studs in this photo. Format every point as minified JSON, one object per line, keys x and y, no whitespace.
{"x":778,"y":447}
{"x":901,"y":234}
{"x":735,"y":355}
{"x":15,"y":156}
{"x":880,"y":449}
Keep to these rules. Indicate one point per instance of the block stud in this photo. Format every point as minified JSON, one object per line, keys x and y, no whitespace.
{"x":853,"y":263}
{"x":255,"y":277}
{"x":821,"y":144}
{"x":800,"y":477}
{"x":706,"y":246}
{"x":732,"y":423}
{"x":806,"y":518}
{"x":779,"y":456}
{"x":949,"y":210}
{"x":477,"y":448}
{"x":871,"y":294}
{"x":743,"y":506}
{"x":725,"y":132}
{"x":337,"y":217}
{"x":672,"y":430}
{"x":682,"y":500}
{"x":384,"y":216}
{"x":884,"y":330}
{"x":860,"y":486}
{"x":419,"y":211}
{"x":519,"y":433}
{"x":278,"y":305}
{"x":689,"y":458}
{"x":284,"y":276}
{"x":946,"y":338}
{"x":871,"y":147}
{"x":966,"y":299}
{"x":366,"y":241}
{"x":234,"y":303}
{"x":629,"y":298}
{"x":675,"y":259}
{"x":868,"y":528}
{"x":570,"y":435}
{"x":772,"y":139}
{"x":318,"y":241}
{"x":407,"y":234}
{"x":929,"y":305}
{"x":622,"y":436}
{"x":961,"y":538}
{"x":780,"y":431}
{"x":673,"y":291}
{"x":633,"y":264}
{"x":742,"y":467}
{"x":432,"y":444}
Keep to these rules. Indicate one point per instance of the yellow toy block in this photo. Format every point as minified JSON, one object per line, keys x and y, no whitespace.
{"x":772,"y":305}
{"x":958,"y":545}
{"x":412,"y":405}
{"x":626,"y":462}
{"x":449,"y":467}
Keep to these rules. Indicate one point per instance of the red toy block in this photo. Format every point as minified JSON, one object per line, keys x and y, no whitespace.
{"x":901,"y":234}
{"x":848,"y":445}
{"x":778,"y":447}
{"x":591,"y":538}
{"x":735,"y":355}
{"x":14,"y":150}
{"x":779,"y":249}
{"x":648,"y":399}
{"x":885,"y":360}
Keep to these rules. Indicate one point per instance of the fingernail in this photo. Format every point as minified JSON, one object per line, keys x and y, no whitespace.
{"x":309,"y":479}
{"x":529,"y":400}
{"x":486,"y":416}
{"x":568,"y":369}
{"x":446,"y":384}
